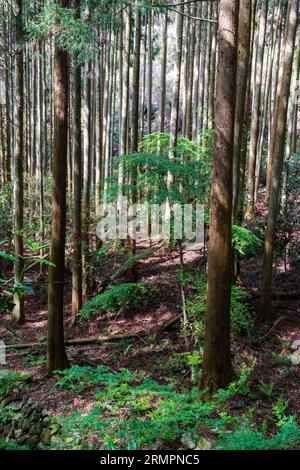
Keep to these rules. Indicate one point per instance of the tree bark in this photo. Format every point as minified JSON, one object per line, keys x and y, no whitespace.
{"x":217,"y":369}
{"x":18,"y":310}
{"x":77,"y":190}
{"x":56,"y":355}
{"x":256,"y":110}
{"x":241,"y":90}
{"x":279,"y":136}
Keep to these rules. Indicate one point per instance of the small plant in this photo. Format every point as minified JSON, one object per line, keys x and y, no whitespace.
{"x":266,"y":389}
{"x":117,"y":298}
{"x":244,"y":241}
{"x":244,"y":438}
{"x":10,"y":379}
{"x":8,"y":287}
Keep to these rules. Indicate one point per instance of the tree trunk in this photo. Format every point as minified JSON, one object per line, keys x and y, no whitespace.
{"x":18,"y":310}
{"x":77,"y":190}
{"x":217,"y":369}
{"x":56,"y":354}
{"x":279,"y":136}
{"x":256,"y":110}
{"x":241,"y":90}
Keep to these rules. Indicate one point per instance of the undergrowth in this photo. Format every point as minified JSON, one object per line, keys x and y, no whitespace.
{"x":117,"y":298}
{"x":133,"y":411}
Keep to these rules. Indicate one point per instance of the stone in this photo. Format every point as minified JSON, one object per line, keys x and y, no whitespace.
{"x":295,"y":358}
{"x":22,"y":439}
{"x":7,"y":401}
{"x":25,"y":425}
{"x":32,"y":441}
{"x":45,"y":436}
{"x":18,"y":433}
{"x":35,"y":416}
{"x":44,"y":412}
{"x":36,"y":428}
{"x":295,"y":344}
{"x":6,"y":429}
{"x":45,"y":421}
{"x":17,"y":405}
{"x":10,"y":433}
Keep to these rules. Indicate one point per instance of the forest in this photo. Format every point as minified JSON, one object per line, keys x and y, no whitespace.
{"x":149,"y":225}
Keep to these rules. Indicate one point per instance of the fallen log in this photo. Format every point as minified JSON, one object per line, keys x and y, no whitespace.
{"x":99,"y":338}
{"x":282,"y":295}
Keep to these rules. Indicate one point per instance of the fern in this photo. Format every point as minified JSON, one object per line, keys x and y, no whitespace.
{"x":120,"y":296}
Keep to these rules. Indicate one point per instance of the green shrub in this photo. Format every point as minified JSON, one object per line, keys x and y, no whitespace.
{"x":240,"y":310}
{"x":244,"y":241}
{"x":120,"y":296}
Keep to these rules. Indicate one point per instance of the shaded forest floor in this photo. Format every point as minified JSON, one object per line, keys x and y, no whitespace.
{"x":159,"y":355}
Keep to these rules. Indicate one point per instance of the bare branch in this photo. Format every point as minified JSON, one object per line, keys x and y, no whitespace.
{"x":197,"y":18}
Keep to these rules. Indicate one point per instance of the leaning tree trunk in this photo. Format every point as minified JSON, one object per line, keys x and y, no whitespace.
{"x":18,"y":310}
{"x":217,"y":369}
{"x":278,"y":146}
{"x":56,"y":355}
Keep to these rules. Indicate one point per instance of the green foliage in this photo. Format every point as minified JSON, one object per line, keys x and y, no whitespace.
{"x":130,"y":262}
{"x":120,"y":296}
{"x":32,"y":221}
{"x":243,"y":438}
{"x":10,"y":379}
{"x":6,"y":216}
{"x":244,"y":241}
{"x":77,"y":36}
{"x":190,"y":165}
{"x":266,"y":389}
{"x":135,"y":412}
{"x":240,"y":313}
{"x":11,"y":445}
{"x":80,"y":378}
{"x":8,"y":287}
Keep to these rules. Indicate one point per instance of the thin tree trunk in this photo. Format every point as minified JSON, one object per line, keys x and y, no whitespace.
{"x":77,"y":190}
{"x":279,"y":135}
{"x":256,"y":110}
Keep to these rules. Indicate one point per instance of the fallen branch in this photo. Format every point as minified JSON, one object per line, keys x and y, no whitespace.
{"x":99,"y":338}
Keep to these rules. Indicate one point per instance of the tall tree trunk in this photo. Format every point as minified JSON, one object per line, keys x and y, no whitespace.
{"x":131,"y":272}
{"x":163,"y":72}
{"x":18,"y":310}
{"x":279,"y":135}
{"x":241,"y":90}
{"x":217,"y":369}
{"x":77,"y":190}
{"x":56,"y":354}
{"x":256,"y":110}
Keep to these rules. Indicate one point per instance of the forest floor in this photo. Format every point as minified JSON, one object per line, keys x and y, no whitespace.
{"x":274,"y":374}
